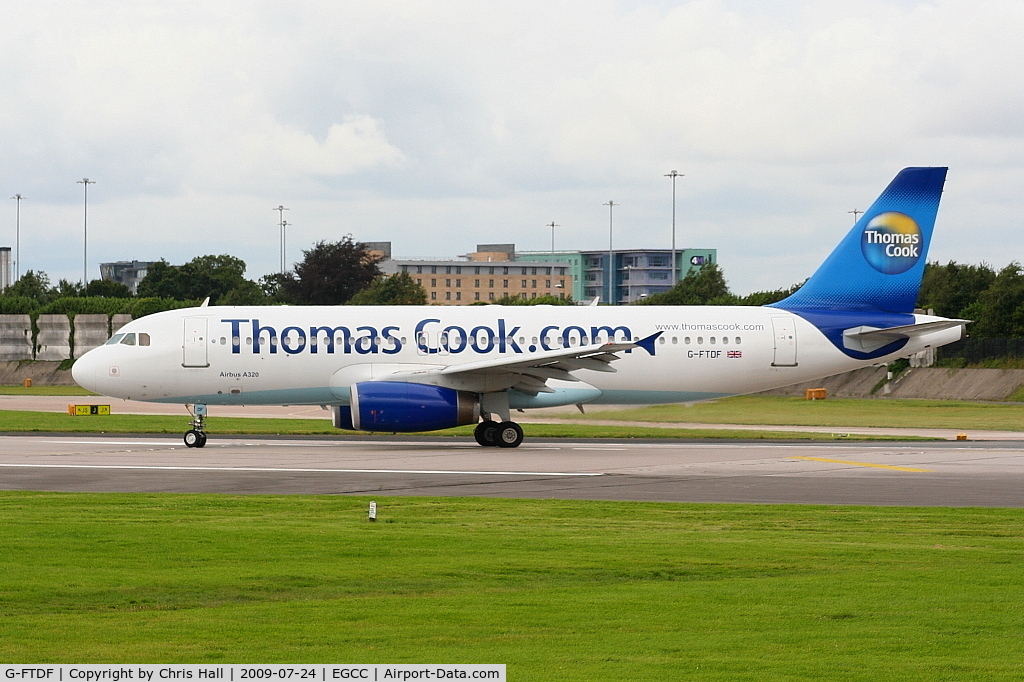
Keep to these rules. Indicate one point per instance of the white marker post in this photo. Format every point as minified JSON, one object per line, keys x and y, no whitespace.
{"x":373,"y":511}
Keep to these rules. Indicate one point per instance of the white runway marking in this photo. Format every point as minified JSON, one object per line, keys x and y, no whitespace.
{"x":298,"y":470}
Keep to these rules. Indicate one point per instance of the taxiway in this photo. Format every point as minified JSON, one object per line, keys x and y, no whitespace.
{"x":872,"y":473}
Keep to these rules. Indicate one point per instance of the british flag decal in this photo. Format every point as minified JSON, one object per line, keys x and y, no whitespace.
{"x":734,"y":354}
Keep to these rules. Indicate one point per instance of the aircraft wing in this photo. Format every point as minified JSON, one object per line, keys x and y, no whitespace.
{"x":527,"y":373}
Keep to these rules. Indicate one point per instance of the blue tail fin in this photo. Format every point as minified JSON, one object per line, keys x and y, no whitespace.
{"x":877,"y":268}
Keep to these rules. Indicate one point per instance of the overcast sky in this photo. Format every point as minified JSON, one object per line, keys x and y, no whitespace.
{"x":441,"y":125}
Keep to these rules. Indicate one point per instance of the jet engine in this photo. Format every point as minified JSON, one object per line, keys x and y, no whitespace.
{"x":401,"y":406}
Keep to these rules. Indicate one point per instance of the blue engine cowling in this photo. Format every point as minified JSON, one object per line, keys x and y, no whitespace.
{"x":398,"y":406}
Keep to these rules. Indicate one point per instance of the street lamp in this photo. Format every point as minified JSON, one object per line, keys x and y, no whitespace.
{"x":281,"y":223}
{"x":17,"y":240}
{"x":284,"y":244}
{"x":611,"y":268}
{"x":674,"y":175}
{"x":85,"y":230}
{"x":551,"y":281}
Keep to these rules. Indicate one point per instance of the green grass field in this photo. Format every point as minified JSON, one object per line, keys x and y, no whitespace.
{"x":15,"y":421}
{"x":557,"y":590}
{"x":838,"y":412}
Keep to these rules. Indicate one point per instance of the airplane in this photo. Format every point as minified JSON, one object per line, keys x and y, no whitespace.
{"x":425,"y":368}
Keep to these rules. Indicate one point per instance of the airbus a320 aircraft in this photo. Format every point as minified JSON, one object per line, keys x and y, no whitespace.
{"x":422,"y":368}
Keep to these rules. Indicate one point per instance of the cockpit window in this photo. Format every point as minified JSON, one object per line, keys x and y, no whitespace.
{"x":129,"y":339}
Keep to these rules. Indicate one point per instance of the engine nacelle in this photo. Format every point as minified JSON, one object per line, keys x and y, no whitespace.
{"x":400,"y":406}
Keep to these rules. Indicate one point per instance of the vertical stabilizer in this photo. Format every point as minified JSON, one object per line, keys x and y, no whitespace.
{"x":878,"y":265}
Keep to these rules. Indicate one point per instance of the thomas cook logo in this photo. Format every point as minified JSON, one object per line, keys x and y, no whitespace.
{"x":891,"y":243}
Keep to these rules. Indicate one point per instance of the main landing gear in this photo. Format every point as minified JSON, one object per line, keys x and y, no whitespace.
{"x":196,"y":437}
{"x":506,"y":434}
{"x":490,"y":433}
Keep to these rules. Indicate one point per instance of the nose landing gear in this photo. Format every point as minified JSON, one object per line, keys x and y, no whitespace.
{"x":196,"y":436}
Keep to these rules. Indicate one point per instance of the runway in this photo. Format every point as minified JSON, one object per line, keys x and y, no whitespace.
{"x":870,"y":473}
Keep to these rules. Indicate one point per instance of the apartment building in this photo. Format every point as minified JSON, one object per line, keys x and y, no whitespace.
{"x":490,"y":273}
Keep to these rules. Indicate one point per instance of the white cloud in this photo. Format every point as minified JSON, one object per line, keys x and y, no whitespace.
{"x":455,"y":122}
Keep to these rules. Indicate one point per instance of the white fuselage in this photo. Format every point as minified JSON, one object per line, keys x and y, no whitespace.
{"x":313,"y":355}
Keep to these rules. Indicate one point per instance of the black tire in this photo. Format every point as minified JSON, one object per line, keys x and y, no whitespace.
{"x":195,"y":439}
{"x":486,"y":433}
{"x":510,"y":435}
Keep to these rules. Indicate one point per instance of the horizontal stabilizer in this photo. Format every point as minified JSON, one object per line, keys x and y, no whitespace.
{"x":867,"y":339}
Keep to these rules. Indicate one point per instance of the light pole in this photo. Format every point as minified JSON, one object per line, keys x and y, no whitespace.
{"x":674,"y":175}
{"x":551,"y":282}
{"x":855,"y":213}
{"x":17,"y":240}
{"x":281,"y":223}
{"x":611,"y":266}
{"x":284,"y":244}
{"x":85,"y":230}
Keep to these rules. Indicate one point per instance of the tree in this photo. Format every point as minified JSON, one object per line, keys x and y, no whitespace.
{"x":272,"y":286}
{"x":35,"y":286}
{"x":330,"y":273}
{"x":213,"y":276}
{"x":244,"y":293}
{"x":766,"y":297}
{"x":107,"y":289}
{"x":162,"y":280}
{"x":705,"y":286}
{"x":66,"y":289}
{"x":1000,"y":308}
{"x":950,"y":289}
{"x":399,"y":289}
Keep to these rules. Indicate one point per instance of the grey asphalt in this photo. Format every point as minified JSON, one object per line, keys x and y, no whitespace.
{"x":927,"y":474}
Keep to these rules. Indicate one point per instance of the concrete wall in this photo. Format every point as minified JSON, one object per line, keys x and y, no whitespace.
{"x":15,"y":337}
{"x":926,"y":383}
{"x":91,"y":330}
{"x":119,"y":320}
{"x":54,"y":339}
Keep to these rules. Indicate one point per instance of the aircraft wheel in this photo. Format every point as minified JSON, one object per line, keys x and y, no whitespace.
{"x":510,"y":435}
{"x":486,"y":433}
{"x":195,"y":439}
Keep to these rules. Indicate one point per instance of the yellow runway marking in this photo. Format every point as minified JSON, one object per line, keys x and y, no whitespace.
{"x":860,"y":464}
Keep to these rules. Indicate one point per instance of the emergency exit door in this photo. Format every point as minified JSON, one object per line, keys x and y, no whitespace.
{"x":784,"y":331}
{"x":195,"y":343}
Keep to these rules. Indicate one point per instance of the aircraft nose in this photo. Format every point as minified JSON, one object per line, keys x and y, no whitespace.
{"x":92,"y":372}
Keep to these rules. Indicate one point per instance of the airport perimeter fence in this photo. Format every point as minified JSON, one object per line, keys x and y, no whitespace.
{"x":975,"y":351}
